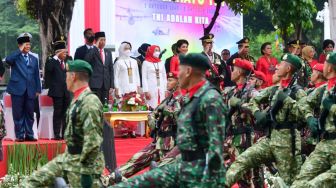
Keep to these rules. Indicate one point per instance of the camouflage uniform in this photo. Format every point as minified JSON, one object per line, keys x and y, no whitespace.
{"x":83,"y":154}
{"x":200,"y":137}
{"x":319,"y":168}
{"x":164,"y":140}
{"x":278,"y":146}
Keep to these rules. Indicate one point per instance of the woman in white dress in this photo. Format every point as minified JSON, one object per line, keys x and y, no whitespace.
{"x":126,"y":72}
{"x":154,"y":79}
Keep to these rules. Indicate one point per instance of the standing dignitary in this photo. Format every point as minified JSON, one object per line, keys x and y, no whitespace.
{"x":243,"y":51}
{"x":266,"y":63}
{"x":283,"y":145}
{"x":24,"y":85}
{"x":315,"y":172}
{"x":89,"y":39}
{"x":101,"y":81}
{"x":127,"y":78}
{"x":82,"y":163}
{"x":55,"y":75}
{"x":200,"y":134}
{"x":327,"y":46}
{"x":154,"y":77}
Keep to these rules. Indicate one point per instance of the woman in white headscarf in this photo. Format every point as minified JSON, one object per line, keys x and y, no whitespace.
{"x":126,"y":71}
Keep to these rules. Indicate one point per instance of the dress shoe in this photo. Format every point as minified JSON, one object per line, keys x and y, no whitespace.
{"x":19,"y":140}
{"x":31,"y":139}
{"x":132,"y":134}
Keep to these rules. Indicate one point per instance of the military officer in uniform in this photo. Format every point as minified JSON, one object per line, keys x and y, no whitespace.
{"x":82,"y":163}
{"x":283,"y":145}
{"x":200,"y":134}
{"x":243,"y":51}
{"x":319,"y":168}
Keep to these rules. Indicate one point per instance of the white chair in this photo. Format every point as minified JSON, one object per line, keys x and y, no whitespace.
{"x":9,"y":122}
{"x":45,"y":128}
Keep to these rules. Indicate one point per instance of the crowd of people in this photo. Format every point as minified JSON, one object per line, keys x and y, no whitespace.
{"x":217,"y":119}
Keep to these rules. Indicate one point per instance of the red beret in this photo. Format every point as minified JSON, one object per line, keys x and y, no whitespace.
{"x":243,"y":63}
{"x":260,"y":75}
{"x":318,"y":67}
{"x":173,"y":74}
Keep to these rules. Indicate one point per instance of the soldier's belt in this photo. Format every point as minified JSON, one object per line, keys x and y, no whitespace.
{"x":328,"y":135}
{"x":286,"y":125}
{"x":241,"y":130}
{"x":73,"y":150}
{"x":166,"y":134}
{"x":192,"y":155}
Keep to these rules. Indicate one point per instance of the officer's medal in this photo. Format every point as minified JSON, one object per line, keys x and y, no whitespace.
{"x":130,"y":74}
{"x":157,"y":72}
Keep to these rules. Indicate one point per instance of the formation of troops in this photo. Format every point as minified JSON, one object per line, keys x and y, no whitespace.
{"x":210,"y":131}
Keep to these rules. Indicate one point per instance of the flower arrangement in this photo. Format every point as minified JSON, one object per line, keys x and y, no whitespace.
{"x":133,"y":102}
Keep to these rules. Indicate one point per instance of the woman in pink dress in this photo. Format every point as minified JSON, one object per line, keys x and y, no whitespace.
{"x":266,"y":63}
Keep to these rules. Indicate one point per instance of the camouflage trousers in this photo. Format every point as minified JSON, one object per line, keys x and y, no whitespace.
{"x":45,"y":176}
{"x":143,"y":158}
{"x":177,"y":174}
{"x":319,"y":170}
{"x":278,"y":149}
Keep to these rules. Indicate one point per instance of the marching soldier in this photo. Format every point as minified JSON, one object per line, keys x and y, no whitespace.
{"x":308,"y":139}
{"x":319,"y":168}
{"x":162,"y":122}
{"x":200,"y":134}
{"x":283,"y":144}
{"x":83,"y":161}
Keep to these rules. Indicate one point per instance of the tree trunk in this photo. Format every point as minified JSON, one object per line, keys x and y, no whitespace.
{"x":207,"y":30}
{"x":298,"y":31}
{"x":54,"y":18}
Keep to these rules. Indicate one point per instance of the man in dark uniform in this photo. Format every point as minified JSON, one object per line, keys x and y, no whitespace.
{"x":101,"y":81}
{"x":89,"y":38}
{"x":217,"y":73}
{"x":243,"y":51}
{"x":55,"y":75}
{"x":24,"y":85}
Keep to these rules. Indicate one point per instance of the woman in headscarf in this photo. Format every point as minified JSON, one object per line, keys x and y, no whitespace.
{"x":126,"y":72}
{"x":154,"y":78}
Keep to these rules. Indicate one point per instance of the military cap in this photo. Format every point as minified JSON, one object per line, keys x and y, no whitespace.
{"x":318,"y":67}
{"x":327,"y":42}
{"x":293,"y":60}
{"x":243,"y":40}
{"x":331,"y":58}
{"x":197,"y":60}
{"x":243,"y":63}
{"x":207,"y":38}
{"x":294,"y":43}
{"x":260,"y":75}
{"x":23,"y":38}
{"x":173,"y":74}
{"x":59,"y":43}
{"x":99,"y":34}
{"x":79,"y":65}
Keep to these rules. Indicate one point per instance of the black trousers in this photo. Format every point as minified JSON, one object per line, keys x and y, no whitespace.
{"x":60,"y":107}
{"x":101,"y":93}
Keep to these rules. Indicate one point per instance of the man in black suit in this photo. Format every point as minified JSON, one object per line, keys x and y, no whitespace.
{"x":89,"y":38}
{"x":55,"y":75}
{"x":101,"y":81}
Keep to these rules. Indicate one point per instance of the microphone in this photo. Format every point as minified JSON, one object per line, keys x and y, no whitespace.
{"x":163,"y":51}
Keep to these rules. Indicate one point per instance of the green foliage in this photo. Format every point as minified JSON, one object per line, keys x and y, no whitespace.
{"x":257,"y":40}
{"x":27,"y":7}
{"x":12,"y":25}
{"x":238,"y":6}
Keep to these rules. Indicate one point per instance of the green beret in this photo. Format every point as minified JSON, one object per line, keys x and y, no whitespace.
{"x":331,"y":58}
{"x":197,"y":60}
{"x":79,"y":66}
{"x":292,"y":59}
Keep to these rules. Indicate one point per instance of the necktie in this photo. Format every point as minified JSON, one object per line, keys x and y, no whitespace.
{"x":101,"y":55}
{"x":62,"y":65}
{"x":26,"y":59}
